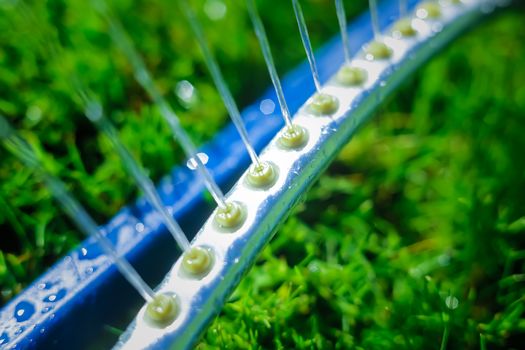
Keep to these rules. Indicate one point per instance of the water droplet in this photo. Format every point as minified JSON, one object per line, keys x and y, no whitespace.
{"x":90,"y":252}
{"x":444,"y":259}
{"x":94,"y":111}
{"x":55,"y":296}
{"x":34,"y":114}
{"x":422,"y":13}
{"x":314,"y":267}
{"x":23,"y":311}
{"x":47,"y":309}
{"x":139,"y":227}
{"x":125,"y":234}
{"x":186,"y":93}
{"x":267,"y":106}
{"x":451,"y":302}
{"x":45,"y":285}
{"x":90,"y":270}
{"x":215,"y":9}
{"x":19,"y":330}
{"x":192,"y":163}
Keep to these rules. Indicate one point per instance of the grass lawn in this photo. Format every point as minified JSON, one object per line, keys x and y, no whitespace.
{"x":414,"y":237}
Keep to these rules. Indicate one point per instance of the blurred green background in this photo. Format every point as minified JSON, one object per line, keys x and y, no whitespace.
{"x":412,"y":239}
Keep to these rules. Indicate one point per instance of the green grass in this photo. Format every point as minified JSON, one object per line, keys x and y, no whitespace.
{"x":412,"y":239}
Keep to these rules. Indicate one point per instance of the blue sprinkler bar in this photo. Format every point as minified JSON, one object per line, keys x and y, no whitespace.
{"x":72,"y":305}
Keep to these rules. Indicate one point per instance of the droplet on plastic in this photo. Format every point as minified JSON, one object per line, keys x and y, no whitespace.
{"x":46,"y":309}
{"x":4,"y":338}
{"x":55,"y":296}
{"x":192,"y":163}
{"x":45,"y":285}
{"x":139,"y":227}
{"x":23,"y":311}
